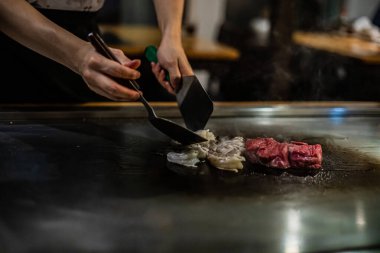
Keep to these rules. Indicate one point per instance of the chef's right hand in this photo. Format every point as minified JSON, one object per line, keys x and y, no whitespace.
{"x":99,"y":73}
{"x":171,"y":57}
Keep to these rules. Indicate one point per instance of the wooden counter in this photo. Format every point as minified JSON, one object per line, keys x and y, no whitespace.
{"x":366,"y":51}
{"x":137,"y":37}
{"x":112,"y":109}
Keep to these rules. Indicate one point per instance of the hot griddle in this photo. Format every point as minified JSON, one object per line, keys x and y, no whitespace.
{"x":86,"y":179}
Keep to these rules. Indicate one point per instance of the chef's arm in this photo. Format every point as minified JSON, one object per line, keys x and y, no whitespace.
{"x":171,"y":55}
{"x":23,"y":23}
{"x":169,"y":15}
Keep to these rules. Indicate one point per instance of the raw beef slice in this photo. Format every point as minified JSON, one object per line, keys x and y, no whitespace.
{"x":270,"y":153}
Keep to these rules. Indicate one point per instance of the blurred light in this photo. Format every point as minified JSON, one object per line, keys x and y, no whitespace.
{"x":265,"y":122}
{"x":265,"y":109}
{"x":360,"y":216}
{"x":338,"y":111}
{"x":293,"y":221}
{"x":292,"y":239}
{"x":337,"y":114}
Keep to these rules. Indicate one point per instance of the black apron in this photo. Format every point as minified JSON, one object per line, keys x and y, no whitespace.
{"x":28,"y":77}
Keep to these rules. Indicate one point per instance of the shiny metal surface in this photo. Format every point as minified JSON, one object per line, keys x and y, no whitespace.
{"x":96,"y":183}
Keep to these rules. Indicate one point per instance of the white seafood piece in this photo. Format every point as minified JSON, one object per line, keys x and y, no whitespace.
{"x":203,"y":147}
{"x":229,"y":146}
{"x":231,"y":163}
{"x":202,"y":150}
{"x":224,"y":153}
{"x":227,"y":154}
{"x":188,"y":158}
{"x":207,"y":134}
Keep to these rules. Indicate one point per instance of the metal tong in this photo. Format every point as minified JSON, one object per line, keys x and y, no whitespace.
{"x":171,"y":129}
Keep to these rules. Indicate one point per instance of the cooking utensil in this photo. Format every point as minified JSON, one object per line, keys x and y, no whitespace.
{"x":194,"y":103}
{"x":171,"y":129}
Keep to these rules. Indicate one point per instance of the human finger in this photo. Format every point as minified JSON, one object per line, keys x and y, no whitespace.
{"x":106,"y":86}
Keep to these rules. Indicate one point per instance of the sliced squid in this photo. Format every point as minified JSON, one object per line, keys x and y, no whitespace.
{"x":224,"y":153}
{"x":227,"y":154}
{"x":187,"y":158}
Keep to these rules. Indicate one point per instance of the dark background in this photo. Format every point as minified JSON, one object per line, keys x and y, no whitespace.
{"x":276,"y":69}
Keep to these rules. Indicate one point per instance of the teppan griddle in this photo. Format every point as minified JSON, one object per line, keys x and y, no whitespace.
{"x":94,"y":178}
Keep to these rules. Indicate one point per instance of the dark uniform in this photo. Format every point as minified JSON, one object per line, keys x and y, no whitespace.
{"x":32,"y":78}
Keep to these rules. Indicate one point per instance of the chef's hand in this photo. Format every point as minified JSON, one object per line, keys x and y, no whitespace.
{"x":171,"y":57}
{"x":99,"y":73}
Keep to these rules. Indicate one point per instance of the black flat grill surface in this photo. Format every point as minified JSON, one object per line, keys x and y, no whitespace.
{"x":103,"y":185}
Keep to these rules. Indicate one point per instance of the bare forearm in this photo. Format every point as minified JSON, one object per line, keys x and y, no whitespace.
{"x":171,"y":54}
{"x":169,"y":15}
{"x":20,"y":21}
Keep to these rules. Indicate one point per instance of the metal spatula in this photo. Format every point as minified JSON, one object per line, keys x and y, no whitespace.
{"x":171,"y":129}
{"x":194,"y":103}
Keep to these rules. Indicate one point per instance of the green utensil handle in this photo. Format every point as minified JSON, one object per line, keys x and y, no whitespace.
{"x":151,"y":56}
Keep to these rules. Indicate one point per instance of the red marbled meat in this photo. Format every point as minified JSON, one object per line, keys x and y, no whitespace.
{"x":274,"y":154}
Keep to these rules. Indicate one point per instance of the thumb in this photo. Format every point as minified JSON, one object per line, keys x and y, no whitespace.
{"x":175,"y":76}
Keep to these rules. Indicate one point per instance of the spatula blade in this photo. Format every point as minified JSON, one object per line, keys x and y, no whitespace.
{"x":176,"y":132}
{"x":194,"y":103}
